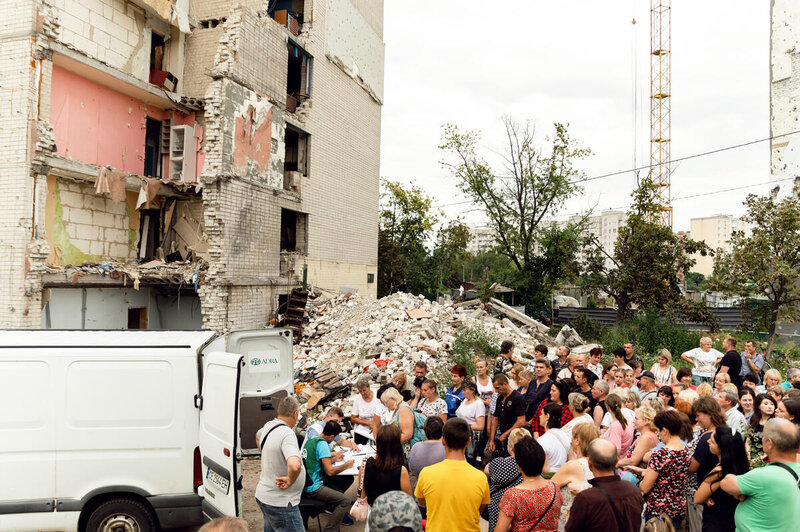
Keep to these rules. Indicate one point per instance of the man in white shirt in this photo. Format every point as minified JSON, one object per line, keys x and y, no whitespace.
{"x":554,"y":441}
{"x":728,"y":399}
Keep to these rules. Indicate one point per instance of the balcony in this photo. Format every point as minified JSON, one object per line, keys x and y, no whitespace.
{"x":291,"y":20}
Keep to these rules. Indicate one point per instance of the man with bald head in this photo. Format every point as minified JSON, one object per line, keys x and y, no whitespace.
{"x":611,"y":503}
{"x":773,"y":491}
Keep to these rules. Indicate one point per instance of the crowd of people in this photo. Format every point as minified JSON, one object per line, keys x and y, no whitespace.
{"x":560,"y":442}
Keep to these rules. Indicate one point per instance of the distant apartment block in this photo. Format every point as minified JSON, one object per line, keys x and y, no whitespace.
{"x":481,"y":240}
{"x":716,"y":232}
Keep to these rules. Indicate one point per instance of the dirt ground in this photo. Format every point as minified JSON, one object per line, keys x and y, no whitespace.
{"x":251,"y":469}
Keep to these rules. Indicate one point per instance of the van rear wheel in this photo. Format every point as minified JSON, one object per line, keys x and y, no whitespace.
{"x":121,"y":515}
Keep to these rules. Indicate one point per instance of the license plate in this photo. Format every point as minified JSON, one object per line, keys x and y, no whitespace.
{"x":218,"y":481}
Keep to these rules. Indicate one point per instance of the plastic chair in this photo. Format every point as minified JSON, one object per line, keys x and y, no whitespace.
{"x":311,"y":508}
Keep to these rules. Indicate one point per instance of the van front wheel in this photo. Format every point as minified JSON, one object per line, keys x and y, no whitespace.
{"x":121,"y":515}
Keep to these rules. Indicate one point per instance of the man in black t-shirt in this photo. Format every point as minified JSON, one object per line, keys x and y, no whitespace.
{"x":509,"y":414}
{"x":731,"y":363}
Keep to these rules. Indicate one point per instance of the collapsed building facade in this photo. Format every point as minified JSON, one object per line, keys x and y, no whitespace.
{"x":179,"y":163}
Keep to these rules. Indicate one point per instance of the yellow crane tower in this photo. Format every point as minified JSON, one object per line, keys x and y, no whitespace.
{"x":660,"y":106}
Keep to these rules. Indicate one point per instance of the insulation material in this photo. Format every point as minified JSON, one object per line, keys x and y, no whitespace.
{"x":353,"y":46}
{"x":112,"y":182}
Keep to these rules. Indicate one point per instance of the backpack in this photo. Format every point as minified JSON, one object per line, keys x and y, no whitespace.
{"x":309,"y":453}
{"x":419,"y":425}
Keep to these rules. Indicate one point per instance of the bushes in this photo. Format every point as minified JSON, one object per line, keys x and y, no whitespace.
{"x":470,"y":344}
{"x":650,"y":333}
{"x":589,"y":329}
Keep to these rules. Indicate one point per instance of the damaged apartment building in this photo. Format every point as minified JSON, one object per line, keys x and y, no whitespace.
{"x":172,"y":164}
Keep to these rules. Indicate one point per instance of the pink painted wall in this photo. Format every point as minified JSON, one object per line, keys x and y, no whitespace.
{"x":98,"y":125}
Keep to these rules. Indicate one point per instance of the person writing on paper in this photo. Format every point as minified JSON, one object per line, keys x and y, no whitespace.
{"x":325,"y":485}
{"x":334,"y":414}
{"x":366,"y":407}
{"x":385,"y":472}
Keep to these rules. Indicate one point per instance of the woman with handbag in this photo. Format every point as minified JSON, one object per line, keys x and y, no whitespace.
{"x":535,"y":503}
{"x":473,"y":411}
{"x":503,"y":473}
{"x":381,"y":473}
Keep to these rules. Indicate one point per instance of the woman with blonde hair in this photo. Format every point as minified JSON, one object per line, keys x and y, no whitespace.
{"x":402,"y":415}
{"x":632,"y":400}
{"x":704,"y":361}
{"x":662,"y":370}
{"x":574,"y":476}
{"x":399,"y":383}
{"x":579,"y":406}
{"x":720,"y":380}
{"x":772,"y":377}
{"x":704,"y":390}
{"x":503,"y":473}
{"x":647,"y":440}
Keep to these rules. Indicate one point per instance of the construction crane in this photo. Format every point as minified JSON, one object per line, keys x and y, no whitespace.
{"x":660,"y":106}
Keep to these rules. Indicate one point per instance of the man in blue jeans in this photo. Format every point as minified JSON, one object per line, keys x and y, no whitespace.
{"x":282,"y":472}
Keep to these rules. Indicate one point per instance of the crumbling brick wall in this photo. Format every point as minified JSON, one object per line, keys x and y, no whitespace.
{"x":84,"y":226}
{"x":25,"y":27}
{"x":201,"y":48}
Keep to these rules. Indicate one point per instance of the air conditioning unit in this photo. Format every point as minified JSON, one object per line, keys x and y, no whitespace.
{"x":182,"y":154}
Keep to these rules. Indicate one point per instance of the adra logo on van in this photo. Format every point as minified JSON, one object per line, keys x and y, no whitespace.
{"x":264,"y":361}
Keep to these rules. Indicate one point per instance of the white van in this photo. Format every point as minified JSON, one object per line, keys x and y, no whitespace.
{"x":132,"y":430}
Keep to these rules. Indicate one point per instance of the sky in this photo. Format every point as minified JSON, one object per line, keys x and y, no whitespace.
{"x":584,"y":63}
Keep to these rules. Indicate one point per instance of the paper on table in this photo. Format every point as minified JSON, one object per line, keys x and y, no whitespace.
{"x":364,"y":452}
{"x":364,"y":431}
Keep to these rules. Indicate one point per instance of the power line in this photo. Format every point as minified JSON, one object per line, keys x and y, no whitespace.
{"x":647,"y":167}
{"x":695,"y":156}
{"x":701,"y":194}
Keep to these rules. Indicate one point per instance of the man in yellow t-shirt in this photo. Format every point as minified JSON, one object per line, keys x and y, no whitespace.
{"x":454,"y":492}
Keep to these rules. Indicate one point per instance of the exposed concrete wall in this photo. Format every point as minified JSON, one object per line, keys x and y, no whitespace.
{"x":332,"y":275}
{"x":341,"y":194}
{"x":353,"y":44}
{"x":785,"y":93}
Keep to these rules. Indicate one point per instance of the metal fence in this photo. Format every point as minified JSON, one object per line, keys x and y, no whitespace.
{"x":729,"y":317}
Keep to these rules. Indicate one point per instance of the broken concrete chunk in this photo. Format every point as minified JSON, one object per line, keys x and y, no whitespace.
{"x":569,"y":337}
{"x":418,"y":313}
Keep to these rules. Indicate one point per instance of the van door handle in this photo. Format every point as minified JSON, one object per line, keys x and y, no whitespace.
{"x":267,"y":406}
{"x":198,"y":401}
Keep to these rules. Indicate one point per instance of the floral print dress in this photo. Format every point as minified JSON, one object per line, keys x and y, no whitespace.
{"x":668,"y":495}
{"x":528,"y":508}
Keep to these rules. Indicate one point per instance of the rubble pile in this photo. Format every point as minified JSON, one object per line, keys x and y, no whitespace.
{"x":347,"y":336}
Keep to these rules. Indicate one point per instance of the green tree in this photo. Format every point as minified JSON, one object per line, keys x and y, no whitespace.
{"x":766,"y":263}
{"x":450,"y":258}
{"x":407,"y":219}
{"x":696,"y":281}
{"x":644,"y":266}
{"x":532,"y":185}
